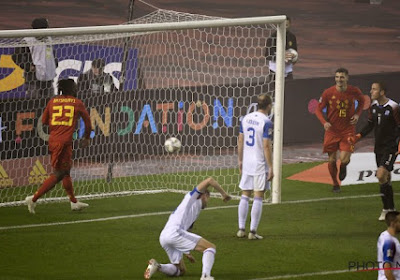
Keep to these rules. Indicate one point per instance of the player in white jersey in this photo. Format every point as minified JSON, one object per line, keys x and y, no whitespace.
{"x":255,"y":163}
{"x":177,"y":241}
{"x":389,"y":248}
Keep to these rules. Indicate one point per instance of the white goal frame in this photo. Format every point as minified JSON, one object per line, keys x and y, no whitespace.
{"x":279,"y":21}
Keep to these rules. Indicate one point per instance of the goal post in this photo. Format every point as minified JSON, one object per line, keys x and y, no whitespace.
{"x":202,"y":74}
{"x":278,"y":112}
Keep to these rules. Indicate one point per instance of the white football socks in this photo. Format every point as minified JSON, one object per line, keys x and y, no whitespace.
{"x":208,"y":261}
{"x":256,"y":211}
{"x":243,"y":209}
{"x":169,"y":269}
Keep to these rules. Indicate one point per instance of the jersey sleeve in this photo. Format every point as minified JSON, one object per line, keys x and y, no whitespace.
{"x":268,"y":128}
{"x":322,"y":104}
{"x":389,"y":250}
{"x":195,"y":193}
{"x":369,"y":126}
{"x":396,"y":115}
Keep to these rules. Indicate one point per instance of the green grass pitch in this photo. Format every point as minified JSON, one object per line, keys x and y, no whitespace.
{"x":311,"y":233}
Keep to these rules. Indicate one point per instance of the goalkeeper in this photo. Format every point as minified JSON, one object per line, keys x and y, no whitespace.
{"x":384,"y":116}
{"x":176,"y":240}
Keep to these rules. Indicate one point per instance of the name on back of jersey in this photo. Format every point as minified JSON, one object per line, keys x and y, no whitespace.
{"x":253,"y":122}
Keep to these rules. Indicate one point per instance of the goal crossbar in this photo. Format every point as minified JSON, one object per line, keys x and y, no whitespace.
{"x":147,"y":27}
{"x":279,"y":21}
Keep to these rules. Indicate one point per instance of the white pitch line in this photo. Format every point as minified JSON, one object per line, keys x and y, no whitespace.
{"x":87,"y":221}
{"x":169,"y":212}
{"x":288,"y":276}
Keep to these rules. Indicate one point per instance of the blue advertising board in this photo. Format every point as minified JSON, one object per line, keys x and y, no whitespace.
{"x":73,"y":60}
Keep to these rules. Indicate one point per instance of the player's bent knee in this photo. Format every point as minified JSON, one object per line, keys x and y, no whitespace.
{"x":203,"y":245}
{"x":259,"y":194}
{"x":246,"y":193}
{"x":382,"y":175}
{"x":212,"y":245}
{"x":382,"y":179}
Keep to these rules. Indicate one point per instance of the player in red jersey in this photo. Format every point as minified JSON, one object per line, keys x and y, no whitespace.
{"x":61,"y":115}
{"x":340,"y":122}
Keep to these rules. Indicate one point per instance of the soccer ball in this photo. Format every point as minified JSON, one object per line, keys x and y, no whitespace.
{"x":295,"y":53}
{"x":172,"y":145}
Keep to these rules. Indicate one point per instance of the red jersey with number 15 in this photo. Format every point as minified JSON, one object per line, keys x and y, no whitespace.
{"x":61,"y":115}
{"x":340,"y":107}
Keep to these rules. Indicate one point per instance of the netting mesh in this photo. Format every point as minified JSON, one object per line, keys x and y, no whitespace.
{"x":193,"y":84}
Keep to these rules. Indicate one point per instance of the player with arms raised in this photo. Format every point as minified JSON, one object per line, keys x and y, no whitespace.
{"x":255,"y":163}
{"x":177,"y":241}
{"x":341,"y":119}
{"x":61,"y":115}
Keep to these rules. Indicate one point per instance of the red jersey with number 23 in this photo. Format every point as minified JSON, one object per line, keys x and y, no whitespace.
{"x":340,"y":108}
{"x":61,"y":115}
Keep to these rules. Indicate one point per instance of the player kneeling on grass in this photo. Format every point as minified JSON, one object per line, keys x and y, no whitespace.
{"x":177,"y":241}
{"x":61,"y":115}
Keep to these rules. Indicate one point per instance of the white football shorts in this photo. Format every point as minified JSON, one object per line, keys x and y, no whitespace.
{"x":256,"y":183}
{"x":176,"y":242}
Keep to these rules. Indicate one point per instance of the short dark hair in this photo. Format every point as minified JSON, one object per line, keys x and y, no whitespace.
{"x":67,"y":87}
{"x":390,"y":217}
{"x":382,"y":85}
{"x":263,"y":100}
{"x":342,"y":70}
{"x":98,"y":63}
{"x":39,"y":23}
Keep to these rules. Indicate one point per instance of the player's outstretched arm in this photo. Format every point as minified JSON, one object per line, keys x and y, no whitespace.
{"x":204,"y":185}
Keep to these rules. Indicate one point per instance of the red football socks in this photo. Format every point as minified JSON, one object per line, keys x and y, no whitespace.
{"x":67,"y":185}
{"x":47,"y":185}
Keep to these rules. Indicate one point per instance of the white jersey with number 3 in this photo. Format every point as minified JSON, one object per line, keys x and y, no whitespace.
{"x":255,"y":127}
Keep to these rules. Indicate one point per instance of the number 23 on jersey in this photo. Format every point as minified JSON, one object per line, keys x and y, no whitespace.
{"x":63,"y":115}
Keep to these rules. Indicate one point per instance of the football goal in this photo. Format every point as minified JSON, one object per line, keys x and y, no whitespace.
{"x":167,"y":74}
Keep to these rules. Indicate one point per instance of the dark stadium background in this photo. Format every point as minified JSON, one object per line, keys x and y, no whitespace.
{"x":355,"y":34}
{"x":364,"y":38}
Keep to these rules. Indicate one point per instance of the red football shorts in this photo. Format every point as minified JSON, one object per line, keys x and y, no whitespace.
{"x":61,"y":155}
{"x":334,"y":142}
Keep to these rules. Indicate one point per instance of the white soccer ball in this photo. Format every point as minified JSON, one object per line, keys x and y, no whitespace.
{"x":295,"y":55}
{"x":172,"y":145}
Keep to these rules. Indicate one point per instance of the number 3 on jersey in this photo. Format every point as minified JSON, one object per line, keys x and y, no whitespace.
{"x":250,"y":141}
{"x":63,"y":115}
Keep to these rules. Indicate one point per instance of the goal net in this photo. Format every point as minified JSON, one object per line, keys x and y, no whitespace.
{"x":167,"y":74}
